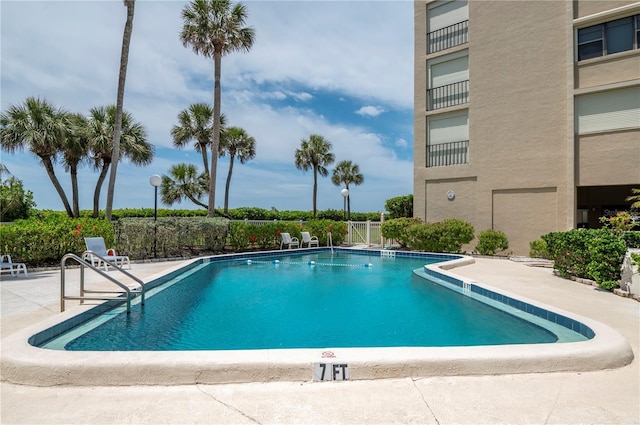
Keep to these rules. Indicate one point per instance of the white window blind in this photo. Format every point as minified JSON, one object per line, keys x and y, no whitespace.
{"x":447,"y":13}
{"x":448,"y":72}
{"x":448,"y":128}
{"x":610,"y":110}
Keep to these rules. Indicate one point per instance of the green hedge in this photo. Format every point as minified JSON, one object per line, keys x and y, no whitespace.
{"x":588,"y":253}
{"x":445,"y":236}
{"x":173,"y":236}
{"x":396,"y":228}
{"x":491,"y":241}
{"x":44,"y":242}
{"x":245,"y":235}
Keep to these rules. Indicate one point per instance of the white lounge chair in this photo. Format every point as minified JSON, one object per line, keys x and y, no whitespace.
{"x":289,"y":241}
{"x":96,"y":247}
{"x":309,"y":240}
{"x":8,"y":266}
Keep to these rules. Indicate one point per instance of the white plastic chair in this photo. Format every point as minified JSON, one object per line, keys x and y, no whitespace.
{"x":309,"y":240}
{"x":289,"y":241}
{"x":96,"y":246}
{"x":9,"y":266}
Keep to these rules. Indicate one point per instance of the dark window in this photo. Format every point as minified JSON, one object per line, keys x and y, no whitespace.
{"x":608,"y":38}
{"x":590,"y":42}
{"x":619,"y":35}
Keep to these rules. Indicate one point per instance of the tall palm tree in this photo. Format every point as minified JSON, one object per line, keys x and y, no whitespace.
{"x":236,"y":143}
{"x":75,"y":150}
{"x":101,"y":126}
{"x":122,"y":77}
{"x":346,"y":172}
{"x":184,"y":181}
{"x":196,"y":123}
{"x":215,"y":28}
{"x":314,"y":153}
{"x":40,"y":127}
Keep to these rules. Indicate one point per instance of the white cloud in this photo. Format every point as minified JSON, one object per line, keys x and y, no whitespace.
{"x":401,"y":143}
{"x":370,"y":111}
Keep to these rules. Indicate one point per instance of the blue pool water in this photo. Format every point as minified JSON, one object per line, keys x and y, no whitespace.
{"x":315,"y":300}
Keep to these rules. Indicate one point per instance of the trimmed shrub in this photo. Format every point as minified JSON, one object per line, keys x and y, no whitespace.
{"x":538,"y":249}
{"x":589,"y":253}
{"x":174,"y":236}
{"x":455,"y":234}
{"x":491,"y":241}
{"x":632,"y":239}
{"x":606,"y":253}
{"x":39,"y":242}
{"x":396,"y":228}
{"x":445,"y":236}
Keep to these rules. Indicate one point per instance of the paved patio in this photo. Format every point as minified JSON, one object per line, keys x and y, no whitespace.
{"x":606,"y":397}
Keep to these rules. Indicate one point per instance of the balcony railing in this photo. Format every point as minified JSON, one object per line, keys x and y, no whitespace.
{"x":451,"y":153}
{"x":448,"y":37}
{"x":449,"y":95}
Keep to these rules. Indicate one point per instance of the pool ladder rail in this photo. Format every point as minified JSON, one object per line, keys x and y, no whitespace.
{"x":128,"y":292}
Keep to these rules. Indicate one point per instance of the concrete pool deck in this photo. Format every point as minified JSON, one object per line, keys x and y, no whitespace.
{"x":607,"y":396}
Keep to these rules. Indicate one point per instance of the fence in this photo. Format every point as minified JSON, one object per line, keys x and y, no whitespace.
{"x":358,"y":232}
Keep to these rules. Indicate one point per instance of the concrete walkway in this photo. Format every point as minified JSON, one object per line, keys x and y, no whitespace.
{"x":602,"y":397}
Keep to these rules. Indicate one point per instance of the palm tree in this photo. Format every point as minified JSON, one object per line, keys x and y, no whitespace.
{"x":314,"y":153}
{"x":122,"y":77}
{"x":196,"y":123}
{"x":184,"y":182}
{"x":101,"y":126}
{"x":346,"y":172}
{"x":237,"y":144}
{"x":635,"y":198}
{"x":75,"y":150}
{"x":40,"y":127}
{"x":215,"y":28}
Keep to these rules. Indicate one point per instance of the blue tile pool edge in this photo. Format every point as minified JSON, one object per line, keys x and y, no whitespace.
{"x":466,"y":287}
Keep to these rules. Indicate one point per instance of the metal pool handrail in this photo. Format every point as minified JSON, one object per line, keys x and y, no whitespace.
{"x":126,"y":290}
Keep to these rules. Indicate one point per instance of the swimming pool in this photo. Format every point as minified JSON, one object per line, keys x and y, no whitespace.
{"x":310,"y":300}
{"x":24,"y":362}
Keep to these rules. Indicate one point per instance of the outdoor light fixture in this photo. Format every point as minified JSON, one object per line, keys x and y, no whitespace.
{"x":155,"y":181}
{"x":345,"y":194}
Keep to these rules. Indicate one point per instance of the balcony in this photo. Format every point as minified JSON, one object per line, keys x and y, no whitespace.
{"x":449,"y":95}
{"x":448,"y":37}
{"x":450,"y":153}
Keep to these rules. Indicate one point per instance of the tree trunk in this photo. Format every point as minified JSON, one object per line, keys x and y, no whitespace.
{"x":124,"y":59}
{"x":96,"y":192}
{"x":74,"y":190}
{"x":205,"y":160}
{"x":315,"y":188}
{"x":52,"y":175}
{"x":226,"y":189}
{"x":215,"y":145}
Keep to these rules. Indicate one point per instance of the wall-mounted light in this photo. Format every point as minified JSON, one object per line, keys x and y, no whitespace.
{"x":451,"y":195}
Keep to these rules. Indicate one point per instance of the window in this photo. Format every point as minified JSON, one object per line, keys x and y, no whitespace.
{"x":608,"y":38}
{"x":448,"y":81}
{"x":608,"y":110}
{"x":448,"y":25}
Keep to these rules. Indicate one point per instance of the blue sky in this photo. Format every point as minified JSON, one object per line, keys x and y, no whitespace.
{"x":341,"y":69}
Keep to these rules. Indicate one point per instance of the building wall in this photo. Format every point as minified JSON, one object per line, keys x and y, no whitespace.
{"x":526,"y":161}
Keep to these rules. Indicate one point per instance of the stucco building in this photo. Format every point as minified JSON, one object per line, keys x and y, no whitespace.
{"x":527,"y":113}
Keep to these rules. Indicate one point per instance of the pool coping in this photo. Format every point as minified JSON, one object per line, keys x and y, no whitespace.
{"x":23,"y":363}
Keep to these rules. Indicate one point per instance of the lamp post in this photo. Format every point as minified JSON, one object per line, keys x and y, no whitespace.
{"x":155,"y":181}
{"x":345,"y":194}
